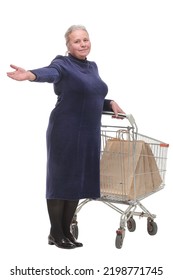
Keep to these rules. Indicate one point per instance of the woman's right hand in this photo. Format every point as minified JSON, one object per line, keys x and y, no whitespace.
{"x":20,"y":74}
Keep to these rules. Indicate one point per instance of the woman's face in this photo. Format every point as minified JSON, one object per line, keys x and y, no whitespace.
{"x":79,"y":44}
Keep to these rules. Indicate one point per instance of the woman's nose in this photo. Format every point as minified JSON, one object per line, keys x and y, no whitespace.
{"x":83,"y":44}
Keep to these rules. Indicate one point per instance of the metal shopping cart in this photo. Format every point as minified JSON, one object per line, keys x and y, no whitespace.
{"x":132,"y":167}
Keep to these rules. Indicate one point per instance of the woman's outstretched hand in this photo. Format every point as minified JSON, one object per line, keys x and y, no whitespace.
{"x":20,"y":74}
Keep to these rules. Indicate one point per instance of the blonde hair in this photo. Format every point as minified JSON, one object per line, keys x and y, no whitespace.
{"x":71,"y":29}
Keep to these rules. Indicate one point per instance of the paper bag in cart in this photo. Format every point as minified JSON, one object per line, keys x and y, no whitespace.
{"x":128,"y":169}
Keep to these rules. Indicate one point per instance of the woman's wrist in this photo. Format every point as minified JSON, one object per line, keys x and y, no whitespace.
{"x":112,"y":102}
{"x":31,"y":76}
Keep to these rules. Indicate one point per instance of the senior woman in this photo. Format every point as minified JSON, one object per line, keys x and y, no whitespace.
{"x":73,"y":133}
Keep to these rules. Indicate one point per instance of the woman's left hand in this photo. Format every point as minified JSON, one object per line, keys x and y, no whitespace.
{"x":116,"y":109}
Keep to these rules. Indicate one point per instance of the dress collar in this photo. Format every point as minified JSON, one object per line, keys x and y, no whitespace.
{"x":77,"y":59}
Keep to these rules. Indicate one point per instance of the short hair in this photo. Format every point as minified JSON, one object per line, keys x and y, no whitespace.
{"x":73,"y":28}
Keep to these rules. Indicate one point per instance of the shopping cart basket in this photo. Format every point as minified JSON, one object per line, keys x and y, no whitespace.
{"x":132,"y":167}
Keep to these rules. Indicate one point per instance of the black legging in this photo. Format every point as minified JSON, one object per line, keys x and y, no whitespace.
{"x":61,"y":213}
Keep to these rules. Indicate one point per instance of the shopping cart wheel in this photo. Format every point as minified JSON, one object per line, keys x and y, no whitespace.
{"x":74,"y":227}
{"x":119,"y":238}
{"x":131,"y":224}
{"x":75,"y":230}
{"x":151,"y":227}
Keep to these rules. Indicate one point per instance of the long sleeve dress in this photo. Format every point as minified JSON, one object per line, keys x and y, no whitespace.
{"x":73,"y":133}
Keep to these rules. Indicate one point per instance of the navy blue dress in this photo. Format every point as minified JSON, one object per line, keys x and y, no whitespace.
{"x":73,"y":133}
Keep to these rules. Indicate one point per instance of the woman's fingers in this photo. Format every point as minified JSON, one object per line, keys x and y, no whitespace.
{"x":14,"y":67}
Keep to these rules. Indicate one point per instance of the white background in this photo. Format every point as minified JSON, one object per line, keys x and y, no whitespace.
{"x":132,"y":44}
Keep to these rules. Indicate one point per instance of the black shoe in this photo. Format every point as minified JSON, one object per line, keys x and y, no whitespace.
{"x":74,"y":241}
{"x":63,"y":243}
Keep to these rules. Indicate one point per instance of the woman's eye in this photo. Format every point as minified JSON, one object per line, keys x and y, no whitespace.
{"x":79,"y":41}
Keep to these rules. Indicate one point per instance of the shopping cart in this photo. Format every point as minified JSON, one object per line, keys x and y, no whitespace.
{"x":132,"y":167}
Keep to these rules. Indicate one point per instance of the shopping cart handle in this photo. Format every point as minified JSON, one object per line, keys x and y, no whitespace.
{"x":127,"y":116}
{"x":111,"y":113}
{"x":122,"y":115}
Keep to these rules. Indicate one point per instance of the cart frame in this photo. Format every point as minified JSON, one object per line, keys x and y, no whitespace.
{"x":126,"y":216}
